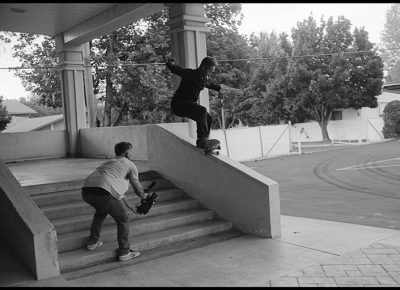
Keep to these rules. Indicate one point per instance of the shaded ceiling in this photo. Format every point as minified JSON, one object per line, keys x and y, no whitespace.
{"x":79,"y":22}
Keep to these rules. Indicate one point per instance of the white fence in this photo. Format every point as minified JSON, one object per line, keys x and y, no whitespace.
{"x":248,"y":143}
{"x":369,"y":130}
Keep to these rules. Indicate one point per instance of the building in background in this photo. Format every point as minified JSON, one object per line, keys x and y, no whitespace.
{"x":366,"y":112}
{"x":18,"y":111}
{"x":55,"y":122}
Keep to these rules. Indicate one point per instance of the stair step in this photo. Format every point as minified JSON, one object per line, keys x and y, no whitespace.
{"x":175,"y":223}
{"x":144,"y":178}
{"x":82,"y":208}
{"x":80,"y":222}
{"x":76,"y":240}
{"x":73,"y":195}
{"x":73,"y":260}
{"x":156,"y":253}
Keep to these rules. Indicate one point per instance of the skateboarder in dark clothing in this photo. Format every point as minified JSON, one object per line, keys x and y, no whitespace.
{"x":184,"y":102}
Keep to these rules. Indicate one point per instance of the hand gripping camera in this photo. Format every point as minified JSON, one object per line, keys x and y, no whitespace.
{"x":146,"y":203}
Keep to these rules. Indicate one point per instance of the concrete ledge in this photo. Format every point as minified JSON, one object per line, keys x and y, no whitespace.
{"x":99,"y":142}
{"x":238,"y":194}
{"x":32,"y":145}
{"x":26,"y":228}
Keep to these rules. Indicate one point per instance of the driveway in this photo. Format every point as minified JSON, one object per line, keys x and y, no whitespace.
{"x":357,"y":184}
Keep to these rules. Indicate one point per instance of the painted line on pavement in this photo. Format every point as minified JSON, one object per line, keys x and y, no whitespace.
{"x":362,"y":166}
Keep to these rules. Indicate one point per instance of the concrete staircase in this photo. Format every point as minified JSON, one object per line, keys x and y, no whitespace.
{"x":174,"y":224}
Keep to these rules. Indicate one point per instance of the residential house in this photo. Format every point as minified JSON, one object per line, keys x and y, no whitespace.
{"x":18,"y":111}
{"x":365,"y":112}
{"x":351,"y":124}
{"x":55,"y":122}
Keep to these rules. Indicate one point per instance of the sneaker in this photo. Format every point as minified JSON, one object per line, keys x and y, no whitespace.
{"x":128,"y":256}
{"x":91,"y":247}
{"x":201,"y":143}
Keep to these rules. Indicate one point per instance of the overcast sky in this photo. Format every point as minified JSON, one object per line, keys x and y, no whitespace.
{"x":257,"y":17}
{"x":283,"y":16}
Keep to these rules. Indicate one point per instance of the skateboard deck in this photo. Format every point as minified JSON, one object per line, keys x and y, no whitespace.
{"x":212,"y":147}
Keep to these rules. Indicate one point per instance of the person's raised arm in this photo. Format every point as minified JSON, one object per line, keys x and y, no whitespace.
{"x":137,"y":186}
{"x":176,"y":69}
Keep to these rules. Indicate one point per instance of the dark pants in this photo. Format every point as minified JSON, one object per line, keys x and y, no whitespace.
{"x":197,"y":113}
{"x":105,"y":204}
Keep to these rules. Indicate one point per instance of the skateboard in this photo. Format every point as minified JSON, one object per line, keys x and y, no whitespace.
{"x":212,"y":147}
{"x":147,"y":203}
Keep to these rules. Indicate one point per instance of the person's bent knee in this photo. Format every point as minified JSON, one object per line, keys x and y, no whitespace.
{"x":202,"y":111}
{"x":123,"y":218}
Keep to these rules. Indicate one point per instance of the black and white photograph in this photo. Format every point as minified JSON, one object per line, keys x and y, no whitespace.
{"x":199,"y":144}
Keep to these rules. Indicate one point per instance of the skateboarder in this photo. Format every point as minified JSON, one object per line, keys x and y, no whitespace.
{"x":184,"y":102}
{"x":105,"y":190}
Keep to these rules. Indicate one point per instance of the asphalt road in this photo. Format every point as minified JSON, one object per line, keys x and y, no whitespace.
{"x":357,"y":184}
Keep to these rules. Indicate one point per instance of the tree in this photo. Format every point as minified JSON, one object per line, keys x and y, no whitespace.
{"x":391,"y":43}
{"x":344,"y":70}
{"x":269,"y":83}
{"x":391,"y":119}
{"x":136,"y":94}
{"x":41,"y":110}
{"x":38,"y":54}
{"x":5,"y":118}
{"x":141,"y":92}
{"x":226,"y":44}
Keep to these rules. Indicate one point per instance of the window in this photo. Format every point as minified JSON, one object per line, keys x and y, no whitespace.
{"x":337,"y":115}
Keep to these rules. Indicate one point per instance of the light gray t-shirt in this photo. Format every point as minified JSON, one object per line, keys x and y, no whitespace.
{"x":112,"y":175}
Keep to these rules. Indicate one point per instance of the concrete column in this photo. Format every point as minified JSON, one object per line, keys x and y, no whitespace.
{"x":90,"y":98}
{"x":72,"y":72}
{"x":188,"y":43}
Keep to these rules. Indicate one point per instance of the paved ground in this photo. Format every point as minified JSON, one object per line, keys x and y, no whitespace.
{"x":377,"y":265}
{"x":353,"y":184}
{"x":310,"y":252}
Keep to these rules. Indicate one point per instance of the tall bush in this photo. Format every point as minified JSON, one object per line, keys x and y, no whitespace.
{"x":391,"y":119}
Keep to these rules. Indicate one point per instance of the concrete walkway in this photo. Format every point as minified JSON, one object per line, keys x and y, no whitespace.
{"x":310,"y":252}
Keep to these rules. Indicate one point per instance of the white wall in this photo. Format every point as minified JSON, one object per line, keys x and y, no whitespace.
{"x":374,"y":129}
{"x":249,"y":143}
{"x":366,"y":129}
{"x":367,"y":113}
{"x":100,"y":141}
{"x":25,"y":227}
{"x":238,"y":194}
{"x":32,"y":145}
{"x":305,"y":132}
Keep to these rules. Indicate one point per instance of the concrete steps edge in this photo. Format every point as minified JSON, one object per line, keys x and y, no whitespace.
{"x":77,"y":240}
{"x":73,"y":260}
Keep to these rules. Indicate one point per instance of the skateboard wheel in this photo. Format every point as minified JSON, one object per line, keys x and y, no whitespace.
{"x":216,"y":153}
{"x":219,"y":147}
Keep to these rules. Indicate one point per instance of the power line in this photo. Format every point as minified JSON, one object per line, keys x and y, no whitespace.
{"x":294,"y":56}
{"x":91,"y":66}
{"x":220,"y":60}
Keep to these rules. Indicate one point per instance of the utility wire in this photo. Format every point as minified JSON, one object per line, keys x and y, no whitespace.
{"x":220,"y":60}
{"x":294,"y":56}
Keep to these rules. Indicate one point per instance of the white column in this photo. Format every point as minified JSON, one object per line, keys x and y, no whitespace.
{"x":188,"y":43}
{"x":72,"y":73}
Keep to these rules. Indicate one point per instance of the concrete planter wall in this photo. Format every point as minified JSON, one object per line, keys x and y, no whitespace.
{"x":26,"y":228}
{"x":238,"y":194}
{"x":32,"y":145}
